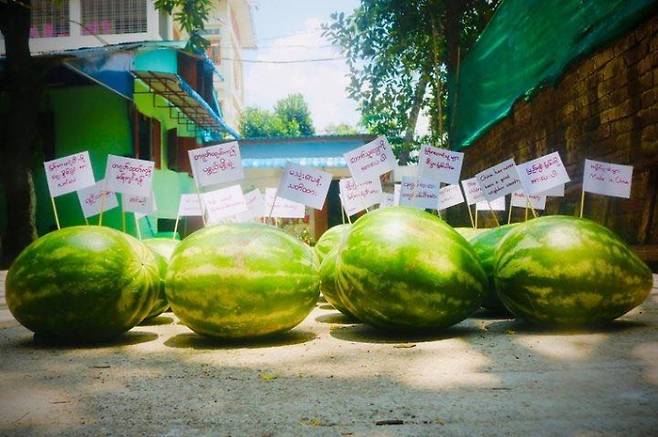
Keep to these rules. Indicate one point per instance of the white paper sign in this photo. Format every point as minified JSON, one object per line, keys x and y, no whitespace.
{"x":216,"y":164}
{"x":371,"y":160}
{"x":305,"y":185}
{"x":499,"y":180}
{"x":387,"y":200}
{"x":554,"y":192}
{"x":223,"y":203}
{"x":283,"y":208}
{"x":450,"y":195}
{"x":419,"y":193}
{"x":255,"y":207}
{"x":472,"y":191}
{"x":359,"y":196}
{"x":90,"y":199}
{"x":189,"y":206}
{"x":607,"y":178}
{"x":440,"y":165}
{"x":543,"y":173}
{"x":537,"y":201}
{"x":129,"y":176}
{"x":496,"y":205}
{"x":68,"y":174}
{"x":140,"y":204}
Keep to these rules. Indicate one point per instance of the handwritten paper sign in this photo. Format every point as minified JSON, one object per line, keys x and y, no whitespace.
{"x":90,"y":199}
{"x":223,"y":203}
{"x":371,"y":160}
{"x":537,"y":201}
{"x":439,"y":164}
{"x":189,"y":206}
{"x":496,"y":205}
{"x":499,"y":180}
{"x":216,"y":164}
{"x":359,"y":196}
{"x":140,"y":204}
{"x":129,"y":176}
{"x":607,"y":179}
{"x":390,"y":199}
{"x":420,"y":193}
{"x":450,"y":195}
{"x":283,"y":208}
{"x":305,"y":185}
{"x":472,"y":191}
{"x":557,"y":191}
{"x":543,"y":173}
{"x":68,"y":174}
{"x":255,"y":207}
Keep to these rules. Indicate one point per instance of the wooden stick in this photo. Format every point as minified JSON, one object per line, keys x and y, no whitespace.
{"x":582,"y":201}
{"x":526,"y":214}
{"x":509,"y":214}
{"x":476,"y":216}
{"x":173,"y":237}
{"x":269,"y":214}
{"x":86,"y":221}
{"x":470,"y":215}
{"x":100,"y":216}
{"x":139,"y":231}
{"x":349,"y":219}
{"x":493,"y":213}
{"x":529,"y":205}
{"x":123,"y":216}
{"x":203,"y":207}
{"x":52,"y":201}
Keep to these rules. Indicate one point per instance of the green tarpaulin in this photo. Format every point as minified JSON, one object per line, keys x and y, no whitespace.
{"x":526,"y":45}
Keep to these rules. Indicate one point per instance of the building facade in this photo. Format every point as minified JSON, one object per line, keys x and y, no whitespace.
{"x":75,"y":24}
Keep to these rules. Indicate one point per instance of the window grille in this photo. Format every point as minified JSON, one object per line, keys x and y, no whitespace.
{"x":103,"y":17}
{"x":49,"y":19}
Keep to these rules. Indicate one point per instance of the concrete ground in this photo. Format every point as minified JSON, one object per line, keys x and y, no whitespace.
{"x":485,"y":376}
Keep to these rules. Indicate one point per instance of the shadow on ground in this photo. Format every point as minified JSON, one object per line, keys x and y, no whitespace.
{"x":199,"y":342}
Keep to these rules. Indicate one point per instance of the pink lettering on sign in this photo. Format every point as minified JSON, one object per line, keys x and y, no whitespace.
{"x":129,"y":176}
{"x":370,"y":160}
{"x":306,"y":185}
{"x":68,"y":174}
{"x":543,"y":174}
{"x":607,"y":179}
{"x":216,"y":164}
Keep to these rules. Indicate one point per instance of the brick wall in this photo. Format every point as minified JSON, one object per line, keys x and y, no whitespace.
{"x":605,"y":107}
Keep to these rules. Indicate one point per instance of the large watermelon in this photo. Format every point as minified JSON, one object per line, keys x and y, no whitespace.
{"x":469,"y":233}
{"x":404,"y":268}
{"x":485,"y":244}
{"x":330,"y":239}
{"x":328,"y":282}
{"x":83,"y":283}
{"x":559,"y":270}
{"x":162,"y":248}
{"x":242,"y":280}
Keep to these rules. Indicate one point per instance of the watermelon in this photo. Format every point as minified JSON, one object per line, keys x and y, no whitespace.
{"x":330,"y":239}
{"x":484,"y":244}
{"x":469,"y":233}
{"x":235,"y":281}
{"x":403,"y":268}
{"x":328,"y":282}
{"x":162,"y":248}
{"x":559,"y":270}
{"x":83,"y":283}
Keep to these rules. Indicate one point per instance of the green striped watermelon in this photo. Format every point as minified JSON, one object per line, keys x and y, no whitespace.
{"x":330,"y":239}
{"x":407,"y":269}
{"x":328,"y":282}
{"x":242,"y":280}
{"x":559,"y":270}
{"x":484,"y":244}
{"x":469,"y":233}
{"x":83,"y":283}
{"x":162,"y":248}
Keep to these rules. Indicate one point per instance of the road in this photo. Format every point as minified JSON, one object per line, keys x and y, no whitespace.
{"x":485,"y":376}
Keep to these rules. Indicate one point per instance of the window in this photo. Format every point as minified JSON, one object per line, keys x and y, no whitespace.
{"x":49,"y":19}
{"x":103,"y":17}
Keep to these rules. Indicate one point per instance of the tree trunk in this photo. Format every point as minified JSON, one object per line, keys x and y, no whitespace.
{"x":452,"y":29}
{"x":419,"y":94}
{"x":18,"y":146}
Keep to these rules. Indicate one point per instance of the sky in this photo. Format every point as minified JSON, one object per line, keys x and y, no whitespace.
{"x":290,"y":30}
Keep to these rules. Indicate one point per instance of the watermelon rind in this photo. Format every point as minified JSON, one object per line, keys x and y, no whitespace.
{"x":328,"y":285}
{"x":331,"y":239}
{"x":563,"y":270}
{"x":401,"y":268}
{"x":82,"y":283}
{"x":238,"y":281}
{"x":163,"y":249}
